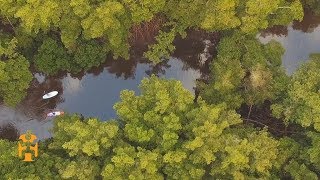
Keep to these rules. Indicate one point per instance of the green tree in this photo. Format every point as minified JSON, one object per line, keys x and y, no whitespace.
{"x":81,"y":168}
{"x":92,"y":138}
{"x":190,"y":138}
{"x":52,"y":57}
{"x":12,"y":167}
{"x":313,"y":151}
{"x":111,"y":21}
{"x":36,"y":15}
{"x":220,"y":15}
{"x":88,"y":54}
{"x":265,"y":13}
{"x":301,"y":104}
{"x":129,"y":162}
{"x":245,"y":71}
{"x":300,"y":171}
{"x":163,"y":134}
{"x":163,"y":48}
{"x":143,"y":10}
{"x":14,"y":73}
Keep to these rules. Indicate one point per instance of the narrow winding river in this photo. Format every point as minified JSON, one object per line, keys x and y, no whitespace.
{"x":93,"y":93}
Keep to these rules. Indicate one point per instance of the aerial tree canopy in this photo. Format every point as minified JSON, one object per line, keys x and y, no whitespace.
{"x":111,"y":21}
{"x":301,"y":104}
{"x":245,"y":71}
{"x":52,"y":57}
{"x":163,"y":134}
{"x":14,"y":73}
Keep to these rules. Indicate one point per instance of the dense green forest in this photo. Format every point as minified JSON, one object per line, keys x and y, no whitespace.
{"x":166,"y":132}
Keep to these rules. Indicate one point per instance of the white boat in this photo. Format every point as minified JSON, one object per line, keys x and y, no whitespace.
{"x":50,"y":95}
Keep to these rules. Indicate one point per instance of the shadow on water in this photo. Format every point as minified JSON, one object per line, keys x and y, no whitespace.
{"x":93,"y":93}
{"x":13,"y":123}
{"x":308,"y":25}
{"x":33,"y":105}
{"x":275,"y":30}
{"x":9,"y":132}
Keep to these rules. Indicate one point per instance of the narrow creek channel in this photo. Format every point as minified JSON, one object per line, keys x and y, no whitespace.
{"x":94,"y":93}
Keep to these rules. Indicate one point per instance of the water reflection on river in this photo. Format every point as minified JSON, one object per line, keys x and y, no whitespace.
{"x":94,"y":96}
{"x":13,"y":122}
{"x":94,"y":93}
{"x":299,"y":40}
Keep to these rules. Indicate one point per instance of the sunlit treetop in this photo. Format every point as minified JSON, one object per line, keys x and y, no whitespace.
{"x":188,"y":139}
{"x":162,"y":134}
{"x":302,"y":102}
{"x":245,"y":71}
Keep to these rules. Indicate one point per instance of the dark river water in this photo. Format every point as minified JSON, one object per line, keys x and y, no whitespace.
{"x":94,"y":93}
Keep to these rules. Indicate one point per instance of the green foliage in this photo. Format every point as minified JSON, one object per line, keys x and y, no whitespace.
{"x":256,"y":14}
{"x":301,"y":104}
{"x":82,"y":168}
{"x":129,"y":162}
{"x":220,"y":15}
{"x":14,"y":74}
{"x":190,"y":139}
{"x":163,"y":48}
{"x":7,"y":152}
{"x":91,"y":138}
{"x":313,"y":151}
{"x":11,"y":167}
{"x":52,"y":57}
{"x":312,"y":5}
{"x":36,"y":15}
{"x":243,"y":158}
{"x":89,"y":54}
{"x":185,"y":13}
{"x":162,"y":134}
{"x":112,"y":20}
{"x":70,"y":27}
{"x":144,"y":10}
{"x":159,"y":105}
{"x":265,"y":13}
{"x":286,"y":12}
{"x":245,"y":71}
{"x":249,"y":15}
{"x":300,"y":171}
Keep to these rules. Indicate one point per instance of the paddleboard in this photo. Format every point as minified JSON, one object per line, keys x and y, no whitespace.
{"x":50,"y":95}
{"x":55,"y":113}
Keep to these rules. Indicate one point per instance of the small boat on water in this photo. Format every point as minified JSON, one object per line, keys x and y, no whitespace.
{"x":55,"y":113}
{"x":50,"y":95}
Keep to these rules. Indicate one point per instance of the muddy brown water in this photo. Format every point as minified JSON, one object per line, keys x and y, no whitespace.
{"x":94,"y":93}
